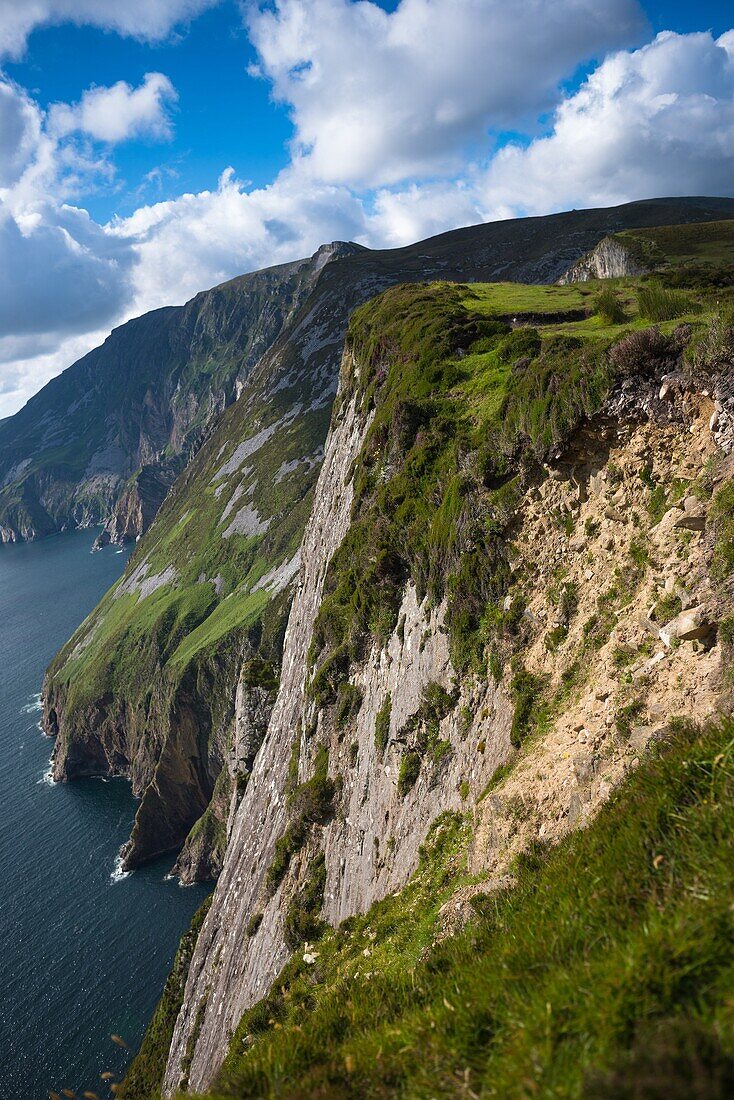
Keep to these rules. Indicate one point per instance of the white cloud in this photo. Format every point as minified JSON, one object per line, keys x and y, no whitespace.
{"x":20,"y":132}
{"x":196,"y":241}
{"x":61,"y":272}
{"x":151,"y":20}
{"x":27,"y":364}
{"x":654,"y":121}
{"x":376,"y":98}
{"x":120,"y":112}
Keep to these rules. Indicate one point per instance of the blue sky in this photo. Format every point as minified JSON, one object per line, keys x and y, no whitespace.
{"x":150,"y":148}
{"x":223,"y":117}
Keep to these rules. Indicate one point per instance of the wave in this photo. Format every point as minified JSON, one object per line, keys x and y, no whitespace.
{"x":118,"y":874}
{"x":34,"y":706}
{"x":47,"y":779}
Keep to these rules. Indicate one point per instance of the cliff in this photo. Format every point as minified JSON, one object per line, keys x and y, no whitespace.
{"x":612,"y":258}
{"x":516,"y":571}
{"x":147,"y":683}
{"x":103,"y":442}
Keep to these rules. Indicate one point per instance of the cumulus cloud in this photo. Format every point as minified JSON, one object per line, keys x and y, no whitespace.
{"x":20,"y":132}
{"x":378,"y":97}
{"x":655,"y":121}
{"x":61,"y":273}
{"x":150,"y":20}
{"x":199,"y":240}
{"x":120,"y":112}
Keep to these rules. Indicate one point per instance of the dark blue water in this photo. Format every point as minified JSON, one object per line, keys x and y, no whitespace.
{"x":82,"y":955}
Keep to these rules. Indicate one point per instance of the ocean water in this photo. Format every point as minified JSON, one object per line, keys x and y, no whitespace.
{"x":84,"y":952}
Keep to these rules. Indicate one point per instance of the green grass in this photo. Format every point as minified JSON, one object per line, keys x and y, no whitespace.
{"x":618,"y":940}
{"x":681,"y":245}
{"x":505,"y":299}
{"x":658,"y":303}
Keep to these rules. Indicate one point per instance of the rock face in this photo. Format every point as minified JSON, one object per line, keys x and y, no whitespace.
{"x":611,"y":259}
{"x":361,"y":866}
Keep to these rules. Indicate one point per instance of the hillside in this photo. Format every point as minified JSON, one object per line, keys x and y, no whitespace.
{"x":147,"y":686}
{"x":104,"y":442}
{"x":513,"y":618}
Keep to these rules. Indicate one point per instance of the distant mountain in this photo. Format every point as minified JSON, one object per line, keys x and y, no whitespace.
{"x":104,"y":442}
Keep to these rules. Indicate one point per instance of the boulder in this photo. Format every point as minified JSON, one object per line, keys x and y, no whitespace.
{"x":689,"y":626}
{"x":689,"y":521}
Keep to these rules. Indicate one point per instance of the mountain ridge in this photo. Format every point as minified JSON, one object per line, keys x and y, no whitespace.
{"x":164,"y":381}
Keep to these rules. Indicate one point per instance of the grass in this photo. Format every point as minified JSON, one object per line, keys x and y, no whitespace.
{"x":657,"y":303}
{"x":608,"y":307}
{"x":612,"y":947}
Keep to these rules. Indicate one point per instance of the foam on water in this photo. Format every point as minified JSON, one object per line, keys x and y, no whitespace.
{"x":118,"y":873}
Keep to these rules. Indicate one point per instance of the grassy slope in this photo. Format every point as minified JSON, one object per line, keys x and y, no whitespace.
{"x":603,"y":946}
{"x":188,"y":617}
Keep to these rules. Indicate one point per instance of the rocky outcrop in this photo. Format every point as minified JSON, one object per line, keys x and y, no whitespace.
{"x":171,"y":743}
{"x":138,"y":505}
{"x":610,"y":259}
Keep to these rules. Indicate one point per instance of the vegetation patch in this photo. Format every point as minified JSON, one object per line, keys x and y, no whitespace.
{"x":302,"y":921}
{"x":382,"y":725}
{"x":309,"y":803}
{"x":610,"y":960}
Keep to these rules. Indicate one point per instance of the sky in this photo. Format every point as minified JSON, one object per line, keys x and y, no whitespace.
{"x":152,"y":148}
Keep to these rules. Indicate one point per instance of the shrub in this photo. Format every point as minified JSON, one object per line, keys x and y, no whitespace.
{"x":348,"y":703}
{"x":254,"y":923}
{"x":526,"y":692}
{"x":382,"y":725}
{"x":644,"y":352}
{"x":608,"y":306}
{"x":713,"y":349}
{"x":625,"y":717}
{"x":657,"y":303}
{"x":302,"y":921}
{"x":410,"y":767}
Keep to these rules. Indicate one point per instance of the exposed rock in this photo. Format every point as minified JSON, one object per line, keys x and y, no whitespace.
{"x":610,"y":259}
{"x":689,"y":626}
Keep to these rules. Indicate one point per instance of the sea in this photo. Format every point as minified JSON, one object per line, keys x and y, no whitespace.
{"x":84,"y":949}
